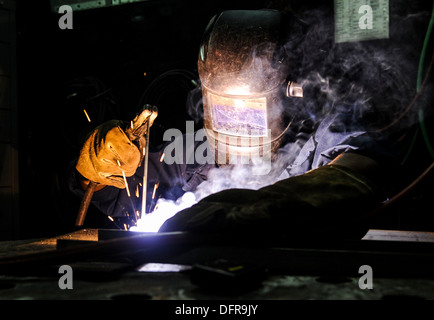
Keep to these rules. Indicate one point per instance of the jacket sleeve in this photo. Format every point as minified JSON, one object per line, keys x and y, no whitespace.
{"x":326,"y":202}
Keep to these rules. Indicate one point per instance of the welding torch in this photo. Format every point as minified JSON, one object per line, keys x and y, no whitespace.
{"x":138,"y":133}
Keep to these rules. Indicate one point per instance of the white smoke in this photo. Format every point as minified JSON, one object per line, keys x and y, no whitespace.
{"x":219,"y":179}
{"x":370,"y":80}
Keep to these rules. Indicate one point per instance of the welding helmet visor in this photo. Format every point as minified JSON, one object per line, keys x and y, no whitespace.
{"x":244,"y":75}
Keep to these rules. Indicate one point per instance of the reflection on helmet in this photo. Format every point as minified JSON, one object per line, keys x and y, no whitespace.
{"x":244,"y":75}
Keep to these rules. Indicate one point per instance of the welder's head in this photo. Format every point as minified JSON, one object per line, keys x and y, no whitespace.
{"x":246,"y":82}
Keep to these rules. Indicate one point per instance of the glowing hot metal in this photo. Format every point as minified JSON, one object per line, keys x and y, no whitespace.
{"x":164,"y":210}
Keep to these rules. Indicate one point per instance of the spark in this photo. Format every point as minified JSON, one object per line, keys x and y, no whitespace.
{"x":162,"y":157}
{"x":125,"y":180}
{"x":113,"y":220}
{"x":87,"y":116}
{"x":155,"y":190}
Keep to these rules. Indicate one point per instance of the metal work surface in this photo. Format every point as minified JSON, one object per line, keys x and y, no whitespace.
{"x":169,"y":286}
{"x":401,"y":263}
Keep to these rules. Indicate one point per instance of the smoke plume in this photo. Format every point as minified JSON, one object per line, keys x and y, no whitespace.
{"x":365,"y":84}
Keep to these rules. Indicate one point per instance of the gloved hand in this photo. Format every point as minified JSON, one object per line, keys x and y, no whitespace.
{"x":110,"y":150}
{"x":329,"y":197}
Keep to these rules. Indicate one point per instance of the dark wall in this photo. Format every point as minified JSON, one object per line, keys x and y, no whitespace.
{"x":105,"y":64}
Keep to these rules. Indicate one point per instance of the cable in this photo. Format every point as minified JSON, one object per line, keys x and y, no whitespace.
{"x":387,"y":204}
{"x":419,"y":86}
{"x":425,"y":133}
{"x":422,"y":126}
{"x":413,"y":102}
{"x":421,"y":63}
{"x":425,"y":45}
{"x":156,"y":89}
{"x":412,"y":144}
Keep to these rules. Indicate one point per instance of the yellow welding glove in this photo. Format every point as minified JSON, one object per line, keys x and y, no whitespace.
{"x":110,"y":152}
{"x":330,"y":197}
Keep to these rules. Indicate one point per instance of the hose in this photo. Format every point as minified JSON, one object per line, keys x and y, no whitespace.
{"x":418,"y":85}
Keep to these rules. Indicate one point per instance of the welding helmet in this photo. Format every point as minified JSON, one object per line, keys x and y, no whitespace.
{"x":243,"y":70}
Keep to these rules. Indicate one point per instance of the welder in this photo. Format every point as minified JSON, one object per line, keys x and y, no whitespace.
{"x":324,"y":178}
